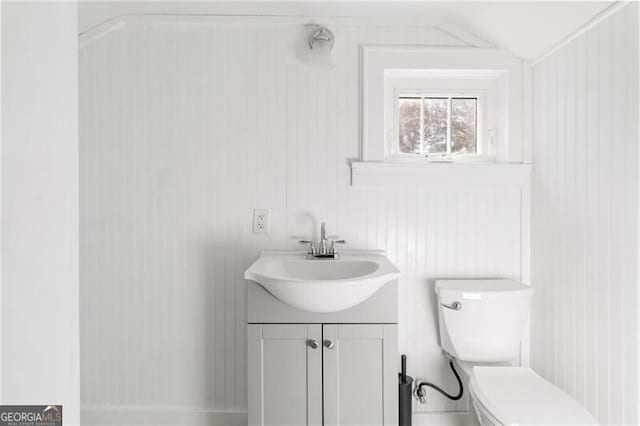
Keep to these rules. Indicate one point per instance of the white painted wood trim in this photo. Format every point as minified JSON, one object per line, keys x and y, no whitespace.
{"x":455,"y":418}
{"x":115,"y":23}
{"x":375,"y":59}
{"x":330,"y":377}
{"x":593,"y":22}
{"x":315,"y":408}
{"x":527,"y":113}
{"x":120,"y":415}
{"x":441,"y":176}
{"x":254,"y":373}
{"x":390,"y":368}
{"x":525,"y":263}
{"x":636,"y":136}
{"x":99,"y":31}
{"x":1,"y":181}
{"x":464,"y":36}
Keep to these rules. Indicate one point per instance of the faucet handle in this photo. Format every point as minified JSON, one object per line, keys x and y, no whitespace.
{"x":332,"y":249}
{"x":312,"y":249}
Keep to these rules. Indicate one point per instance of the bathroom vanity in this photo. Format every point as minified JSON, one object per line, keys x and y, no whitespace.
{"x":322,"y":368}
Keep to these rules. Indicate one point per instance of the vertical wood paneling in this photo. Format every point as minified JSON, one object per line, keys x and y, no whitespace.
{"x":185,"y":129}
{"x":617,"y":277}
{"x":632,"y":236}
{"x":585,"y":192}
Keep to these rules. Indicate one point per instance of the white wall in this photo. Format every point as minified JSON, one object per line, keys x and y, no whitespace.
{"x":509,"y":24}
{"x":39,"y":164}
{"x":585,"y":218}
{"x":186,"y":126}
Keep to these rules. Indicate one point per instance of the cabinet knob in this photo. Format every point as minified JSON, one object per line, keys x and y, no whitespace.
{"x":328,"y":344}
{"x":313,"y":343}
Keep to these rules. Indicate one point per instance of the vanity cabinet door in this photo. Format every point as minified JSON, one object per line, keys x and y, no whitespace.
{"x":284,"y":374}
{"x":360,"y":374}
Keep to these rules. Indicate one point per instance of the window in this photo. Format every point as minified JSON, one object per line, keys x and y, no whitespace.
{"x":461,"y":79}
{"x":431,"y":119}
{"x":437,"y":125}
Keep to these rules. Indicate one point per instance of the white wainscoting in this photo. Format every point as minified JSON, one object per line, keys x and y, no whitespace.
{"x":186,"y":126}
{"x":585,"y":218}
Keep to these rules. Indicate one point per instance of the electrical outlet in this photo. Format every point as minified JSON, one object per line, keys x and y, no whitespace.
{"x":260,"y":221}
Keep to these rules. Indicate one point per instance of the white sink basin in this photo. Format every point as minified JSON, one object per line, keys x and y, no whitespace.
{"x":327,"y":285}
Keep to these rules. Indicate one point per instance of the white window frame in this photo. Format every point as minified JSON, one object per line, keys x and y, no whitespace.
{"x":393,"y":144}
{"x":469,"y":63}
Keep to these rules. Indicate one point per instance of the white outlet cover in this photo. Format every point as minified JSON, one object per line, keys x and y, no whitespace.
{"x":260,"y":221}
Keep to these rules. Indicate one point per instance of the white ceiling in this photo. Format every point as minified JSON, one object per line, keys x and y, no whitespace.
{"x":528,"y":29}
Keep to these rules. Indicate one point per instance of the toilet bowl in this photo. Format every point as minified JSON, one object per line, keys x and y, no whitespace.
{"x":519,"y":396}
{"x":481,"y":326}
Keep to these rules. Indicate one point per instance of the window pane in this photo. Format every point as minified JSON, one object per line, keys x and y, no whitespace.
{"x":435,"y":125}
{"x":409,"y":117}
{"x":463,"y":126}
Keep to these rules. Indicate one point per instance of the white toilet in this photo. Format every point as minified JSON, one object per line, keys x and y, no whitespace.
{"x":481,"y":326}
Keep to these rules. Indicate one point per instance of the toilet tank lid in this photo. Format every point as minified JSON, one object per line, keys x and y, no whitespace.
{"x":517,"y":395}
{"x":484,"y":285}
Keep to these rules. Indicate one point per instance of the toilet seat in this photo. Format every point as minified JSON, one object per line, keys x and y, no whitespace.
{"x":519,"y":396}
{"x":466,"y":367}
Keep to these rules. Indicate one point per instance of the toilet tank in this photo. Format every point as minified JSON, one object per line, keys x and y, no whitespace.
{"x":482,"y":320}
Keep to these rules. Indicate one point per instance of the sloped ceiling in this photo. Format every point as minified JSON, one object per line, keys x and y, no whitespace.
{"x":527,"y":29}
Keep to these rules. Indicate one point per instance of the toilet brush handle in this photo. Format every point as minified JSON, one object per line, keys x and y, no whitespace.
{"x":403,"y":369}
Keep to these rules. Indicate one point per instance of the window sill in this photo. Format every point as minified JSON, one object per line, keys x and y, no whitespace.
{"x":441,"y":175}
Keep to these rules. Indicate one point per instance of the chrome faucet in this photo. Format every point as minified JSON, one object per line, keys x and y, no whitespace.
{"x":322,"y":245}
{"x":321,"y":251}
